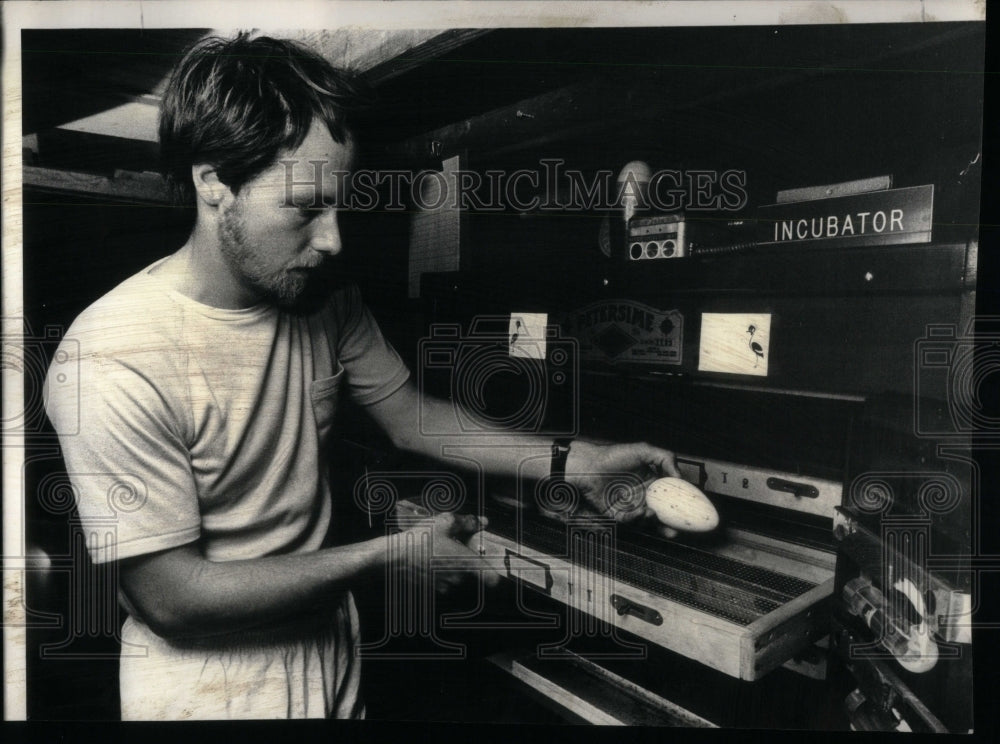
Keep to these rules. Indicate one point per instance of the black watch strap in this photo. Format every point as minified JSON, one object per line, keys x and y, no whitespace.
{"x":560,"y":452}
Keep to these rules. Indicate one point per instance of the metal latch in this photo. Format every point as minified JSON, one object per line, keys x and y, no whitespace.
{"x":628,"y":607}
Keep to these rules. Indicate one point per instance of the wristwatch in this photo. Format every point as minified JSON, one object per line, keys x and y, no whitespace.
{"x":560,"y":453}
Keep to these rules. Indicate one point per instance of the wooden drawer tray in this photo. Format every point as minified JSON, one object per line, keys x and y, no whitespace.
{"x":743,"y":607}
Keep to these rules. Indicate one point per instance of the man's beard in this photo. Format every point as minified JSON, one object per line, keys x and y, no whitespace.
{"x":288,"y":290}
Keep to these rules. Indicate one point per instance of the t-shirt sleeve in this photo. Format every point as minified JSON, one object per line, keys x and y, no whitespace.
{"x":124,"y":455}
{"x":373,"y":368}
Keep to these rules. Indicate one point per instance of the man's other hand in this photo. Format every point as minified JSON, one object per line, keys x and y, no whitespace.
{"x":436,"y":550}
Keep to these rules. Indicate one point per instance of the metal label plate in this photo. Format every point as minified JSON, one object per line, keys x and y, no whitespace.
{"x":876,"y":218}
{"x":627,"y":331}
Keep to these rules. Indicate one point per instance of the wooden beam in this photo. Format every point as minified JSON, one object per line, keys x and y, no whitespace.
{"x":421,"y":53}
{"x":133,"y":120}
{"x":563,"y":700}
{"x":124,"y":185}
{"x":611,"y":102}
{"x":585,"y":690}
{"x":519,"y":125}
{"x":383,"y":54}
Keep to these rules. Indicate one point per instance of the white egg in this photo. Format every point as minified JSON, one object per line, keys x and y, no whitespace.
{"x":681,"y":505}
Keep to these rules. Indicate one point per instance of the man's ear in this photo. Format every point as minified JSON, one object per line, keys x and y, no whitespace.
{"x":207,"y":184}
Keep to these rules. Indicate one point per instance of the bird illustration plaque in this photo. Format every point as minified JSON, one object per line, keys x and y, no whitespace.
{"x":527,"y":335}
{"x":737,"y":343}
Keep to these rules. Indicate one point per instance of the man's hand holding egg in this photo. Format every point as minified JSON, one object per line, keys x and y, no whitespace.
{"x":681,"y":506}
{"x":592,"y":468}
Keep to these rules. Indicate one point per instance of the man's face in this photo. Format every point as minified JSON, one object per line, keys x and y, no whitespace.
{"x":281,"y":227}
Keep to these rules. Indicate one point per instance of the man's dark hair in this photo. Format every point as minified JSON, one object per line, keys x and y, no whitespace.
{"x":238,"y":103}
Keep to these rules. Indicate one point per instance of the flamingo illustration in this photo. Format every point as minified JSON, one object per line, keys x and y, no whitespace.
{"x":755,"y":347}
{"x":516,"y":334}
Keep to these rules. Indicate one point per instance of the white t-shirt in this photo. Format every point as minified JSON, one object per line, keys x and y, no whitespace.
{"x":181,"y":422}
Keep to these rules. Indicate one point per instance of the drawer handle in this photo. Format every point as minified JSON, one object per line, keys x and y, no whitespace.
{"x":628,"y":607}
{"x":515,"y":564}
{"x":799,"y":490}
